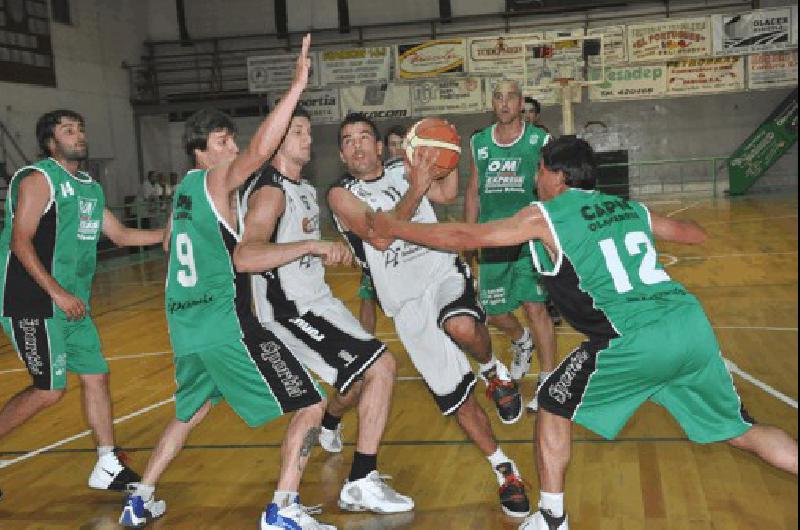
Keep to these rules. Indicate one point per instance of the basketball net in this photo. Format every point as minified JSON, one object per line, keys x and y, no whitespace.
{"x":567,"y":85}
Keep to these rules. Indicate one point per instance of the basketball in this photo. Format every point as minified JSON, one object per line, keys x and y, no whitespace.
{"x":439,"y":134}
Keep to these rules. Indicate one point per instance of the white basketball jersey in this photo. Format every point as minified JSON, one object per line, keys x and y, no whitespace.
{"x":289,"y":291}
{"x":405,"y":270}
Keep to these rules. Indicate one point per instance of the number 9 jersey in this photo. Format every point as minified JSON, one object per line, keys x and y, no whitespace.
{"x":207,"y":302}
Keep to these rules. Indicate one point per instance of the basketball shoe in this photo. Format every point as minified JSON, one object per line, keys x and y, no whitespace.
{"x":503,"y":391}
{"x":112,"y":472}
{"x":372,"y":494}
{"x":544,"y":520}
{"x":138,"y":512}
{"x":513,"y":499}
{"x":521,"y":355}
{"x":292,"y":517}
{"x":331,"y":439}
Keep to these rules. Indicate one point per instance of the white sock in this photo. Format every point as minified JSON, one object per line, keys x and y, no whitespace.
{"x":284,"y":498}
{"x":103,"y":450}
{"x":554,"y":502}
{"x":483,"y":368}
{"x":526,"y":336}
{"x":497,"y":458}
{"x":145,"y":491}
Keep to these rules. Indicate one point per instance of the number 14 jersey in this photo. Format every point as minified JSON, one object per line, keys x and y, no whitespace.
{"x":207,"y":302}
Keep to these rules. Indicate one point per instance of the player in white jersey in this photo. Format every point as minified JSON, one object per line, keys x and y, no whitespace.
{"x":292,"y":300}
{"x":430,"y":294}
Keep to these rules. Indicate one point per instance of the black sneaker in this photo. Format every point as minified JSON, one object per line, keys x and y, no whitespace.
{"x":513,"y":499}
{"x":501,"y":389}
{"x":112,"y":472}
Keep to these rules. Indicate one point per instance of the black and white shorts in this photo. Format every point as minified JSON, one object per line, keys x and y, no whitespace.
{"x":330,"y":341}
{"x":439,"y":360}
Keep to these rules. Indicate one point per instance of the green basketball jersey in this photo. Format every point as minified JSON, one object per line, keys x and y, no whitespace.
{"x":606,"y":277}
{"x":65,"y":241}
{"x":207,"y":302}
{"x":506,"y":173}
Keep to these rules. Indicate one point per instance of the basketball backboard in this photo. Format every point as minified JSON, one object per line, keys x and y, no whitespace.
{"x":549,"y":62}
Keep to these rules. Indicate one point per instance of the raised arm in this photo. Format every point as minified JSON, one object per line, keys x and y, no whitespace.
{"x":527,"y":224}
{"x":352,"y":215}
{"x":471,"y":201}
{"x":123,"y":236}
{"x":444,"y":191}
{"x":270,"y":133}
{"x":687,"y":232}
{"x":32,"y":199}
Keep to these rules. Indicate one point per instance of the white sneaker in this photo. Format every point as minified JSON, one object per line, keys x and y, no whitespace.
{"x":138,"y":512}
{"x":293,"y":516}
{"x":544,"y":520}
{"x":521,"y":355}
{"x":331,"y":440}
{"x":372,"y":494}
{"x":111,"y":473}
{"x":533,"y":404}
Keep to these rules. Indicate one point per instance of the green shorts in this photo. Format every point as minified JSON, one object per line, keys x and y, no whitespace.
{"x":258,"y":377}
{"x":674,"y":362}
{"x":366,"y":291}
{"x":507,"y":279}
{"x":51,"y":347}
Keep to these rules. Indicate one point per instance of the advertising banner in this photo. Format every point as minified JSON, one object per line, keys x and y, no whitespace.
{"x":322,"y":104}
{"x":383,"y":101}
{"x":630,"y":82}
{"x":355,"y":66}
{"x":502,"y":55}
{"x":760,"y":30}
{"x":268,"y":72}
{"x":431,"y":58}
{"x":614,"y":48}
{"x":447,"y":96}
{"x":654,"y":41}
{"x":705,"y":76}
{"x":770,"y":70}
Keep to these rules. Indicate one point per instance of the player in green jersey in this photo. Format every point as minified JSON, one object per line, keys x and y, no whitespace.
{"x":220,"y":349}
{"x":505,"y":158}
{"x":48,"y":250}
{"x":648,"y":337}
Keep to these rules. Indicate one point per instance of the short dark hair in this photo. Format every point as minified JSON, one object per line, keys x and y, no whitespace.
{"x":358,"y":117}
{"x":46,"y":126}
{"x":397,"y":130}
{"x":575,"y":158}
{"x":200,"y":124}
{"x":301,"y":112}
{"x":537,"y":108}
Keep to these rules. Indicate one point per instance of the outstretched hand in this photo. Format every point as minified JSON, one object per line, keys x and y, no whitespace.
{"x":303,"y":66}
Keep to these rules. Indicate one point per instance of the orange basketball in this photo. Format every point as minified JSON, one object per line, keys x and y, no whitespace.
{"x":439,"y":134}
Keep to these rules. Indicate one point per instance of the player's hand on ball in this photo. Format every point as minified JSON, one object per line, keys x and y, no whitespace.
{"x":422,"y":170}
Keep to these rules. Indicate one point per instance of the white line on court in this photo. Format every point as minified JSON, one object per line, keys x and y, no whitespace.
{"x":739,"y":255}
{"x":35,"y":452}
{"x":679,"y":210}
{"x":114,"y":358}
{"x":732,"y":368}
{"x":730,"y":222}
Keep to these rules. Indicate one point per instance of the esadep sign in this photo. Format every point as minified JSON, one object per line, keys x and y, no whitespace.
{"x":430,"y":58}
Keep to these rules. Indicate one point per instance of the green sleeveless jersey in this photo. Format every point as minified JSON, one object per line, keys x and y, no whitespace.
{"x":65,"y":241}
{"x":606,"y":277}
{"x":506,"y":173}
{"x":207,"y":302}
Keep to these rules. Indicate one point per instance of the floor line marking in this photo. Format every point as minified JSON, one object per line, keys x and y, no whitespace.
{"x":734,"y":369}
{"x":35,"y":452}
{"x":679,"y":210}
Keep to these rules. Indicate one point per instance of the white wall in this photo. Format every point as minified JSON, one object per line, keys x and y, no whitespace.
{"x":90,"y":80}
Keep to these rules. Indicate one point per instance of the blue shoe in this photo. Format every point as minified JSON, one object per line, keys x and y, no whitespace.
{"x":138,"y":512}
{"x":292,"y":517}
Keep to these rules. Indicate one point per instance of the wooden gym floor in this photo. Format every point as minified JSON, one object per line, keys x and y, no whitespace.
{"x":650,"y":478}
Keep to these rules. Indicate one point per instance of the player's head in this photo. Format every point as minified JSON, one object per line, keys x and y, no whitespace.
{"x":507,"y":101}
{"x":62,"y":135}
{"x":567,"y":162}
{"x":360,"y":146}
{"x":209,"y":138}
{"x":531,"y":110}
{"x":296,"y":145}
{"x":394,"y":141}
